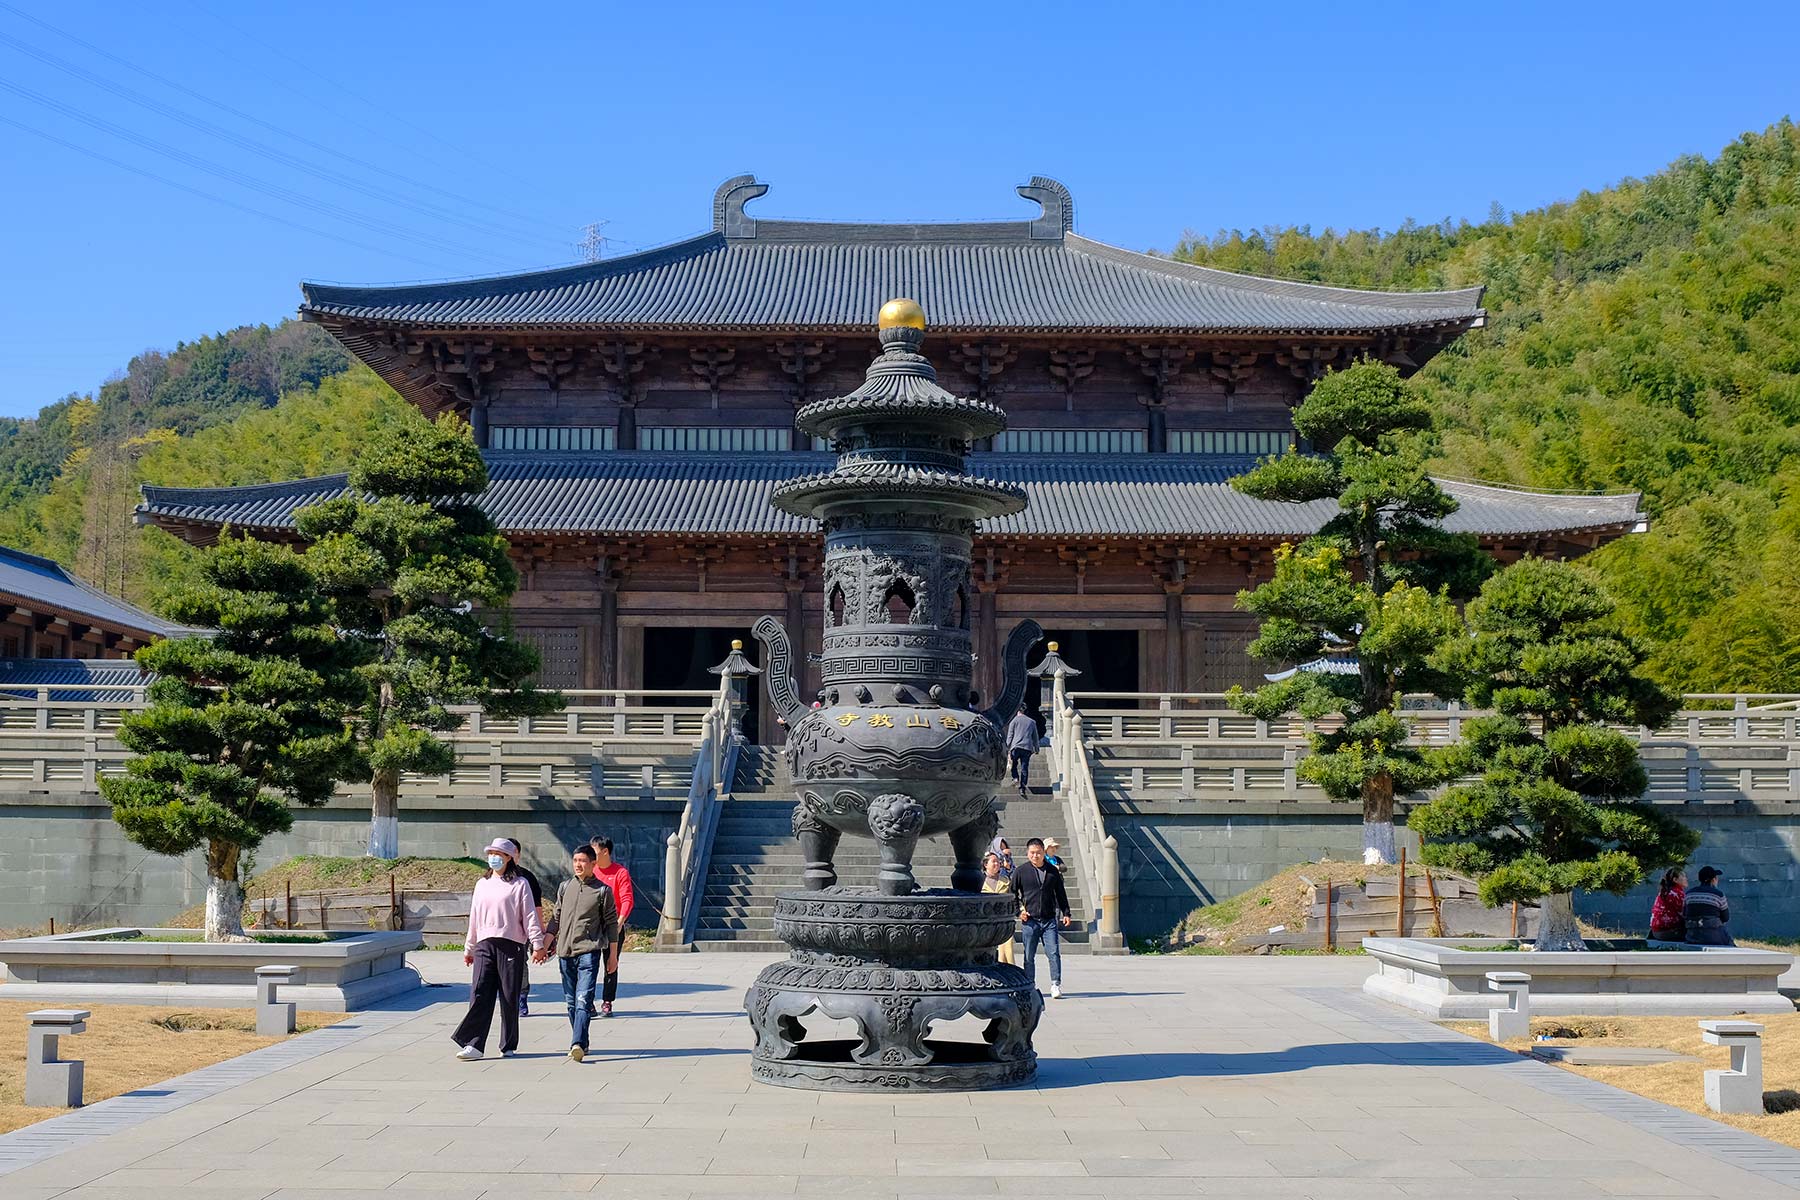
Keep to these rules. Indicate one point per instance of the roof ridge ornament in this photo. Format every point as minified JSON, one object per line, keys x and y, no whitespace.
{"x":729,"y":217}
{"x":1058,"y":217}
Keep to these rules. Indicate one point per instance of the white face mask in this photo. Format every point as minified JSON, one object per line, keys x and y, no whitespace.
{"x":497,"y":861}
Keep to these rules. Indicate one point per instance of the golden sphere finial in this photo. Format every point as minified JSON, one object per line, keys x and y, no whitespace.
{"x":1053,"y":647}
{"x":901,"y":313}
{"x":737,"y":643}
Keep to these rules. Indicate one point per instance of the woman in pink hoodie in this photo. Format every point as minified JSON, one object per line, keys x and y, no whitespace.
{"x":503,"y":929}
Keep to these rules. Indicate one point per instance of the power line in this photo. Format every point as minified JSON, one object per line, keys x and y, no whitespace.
{"x":311,"y":71}
{"x":255,"y":147}
{"x":205,"y":195}
{"x":249,"y":182}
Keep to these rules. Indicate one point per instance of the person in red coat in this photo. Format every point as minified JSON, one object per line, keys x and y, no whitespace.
{"x":615,"y":876}
{"x":1667,"y":924}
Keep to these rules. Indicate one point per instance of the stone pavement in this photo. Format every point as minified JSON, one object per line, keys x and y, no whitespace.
{"x":1183,"y":1076}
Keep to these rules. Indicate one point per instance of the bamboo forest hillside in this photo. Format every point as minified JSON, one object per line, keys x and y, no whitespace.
{"x":1644,"y":337}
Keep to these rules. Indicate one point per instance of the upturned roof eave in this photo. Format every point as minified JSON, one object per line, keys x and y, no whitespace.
{"x":346,"y":322}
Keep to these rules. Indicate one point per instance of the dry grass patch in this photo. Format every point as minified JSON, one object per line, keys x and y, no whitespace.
{"x":1681,"y":1084}
{"x":1282,"y":899}
{"x":130,"y":1046}
{"x":307,"y":873}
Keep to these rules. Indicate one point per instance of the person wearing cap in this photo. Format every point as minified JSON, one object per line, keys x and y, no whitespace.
{"x":503,"y":929}
{"x":1053,"y":853}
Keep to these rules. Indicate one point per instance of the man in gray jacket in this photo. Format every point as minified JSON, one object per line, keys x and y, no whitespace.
{"x":1021,"y":744}
{"x":583,"y":923}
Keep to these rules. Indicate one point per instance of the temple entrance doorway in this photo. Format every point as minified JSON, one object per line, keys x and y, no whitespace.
{"x":677,"y":658}
{"x":1106,"y":658}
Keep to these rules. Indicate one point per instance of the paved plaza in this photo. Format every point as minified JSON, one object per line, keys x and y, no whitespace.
{"x":1173,"y":1076}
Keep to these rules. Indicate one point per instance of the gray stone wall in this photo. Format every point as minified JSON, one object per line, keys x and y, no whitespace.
{"x":1172,"y":862}
{"x":70,"y":862}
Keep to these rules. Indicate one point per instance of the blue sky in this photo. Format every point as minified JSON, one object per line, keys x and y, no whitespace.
{"x":390,"y":141}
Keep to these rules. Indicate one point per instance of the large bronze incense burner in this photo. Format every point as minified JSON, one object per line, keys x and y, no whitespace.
{"x":899,"y":749}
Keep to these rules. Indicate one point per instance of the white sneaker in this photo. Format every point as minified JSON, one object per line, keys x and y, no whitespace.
{"x":468,"y":1054}
{"x":1056,"y":991}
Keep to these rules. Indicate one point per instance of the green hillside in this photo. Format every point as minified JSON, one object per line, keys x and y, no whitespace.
{"x":1642,"y":338}
{"x":1645,"y":337}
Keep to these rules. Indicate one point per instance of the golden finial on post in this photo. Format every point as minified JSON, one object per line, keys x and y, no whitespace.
{"x":737,"y":643}
{"x":901,"y":313}
{"x":1053,"y":647}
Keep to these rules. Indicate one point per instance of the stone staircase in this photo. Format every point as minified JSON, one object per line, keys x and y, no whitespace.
{"x":754,"y":855}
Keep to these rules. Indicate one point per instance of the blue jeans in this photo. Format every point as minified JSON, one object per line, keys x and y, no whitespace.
{"x":578,"y":974}
{"x":1044,"y":932}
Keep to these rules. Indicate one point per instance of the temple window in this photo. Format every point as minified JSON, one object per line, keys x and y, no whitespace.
{"x":1070,"y":441}
{"x":899,"y":602}
{"x":1258,"y":442}
{"x":754,"y":439}
{"x":550,"y":437}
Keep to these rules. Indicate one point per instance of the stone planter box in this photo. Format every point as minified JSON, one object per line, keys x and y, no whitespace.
{"x":1444,"y":978}
{"x":337,"y":973}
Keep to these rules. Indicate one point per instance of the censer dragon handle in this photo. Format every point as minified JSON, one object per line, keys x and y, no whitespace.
{"x":1025,"y":635}
{"x":778,"y":674}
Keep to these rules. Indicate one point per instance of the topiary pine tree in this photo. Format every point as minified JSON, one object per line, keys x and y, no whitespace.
{"x":1378,"y":580}
{"x":239,"y":725}
{"x":409,"y":561}
{"x":1557,"y":806}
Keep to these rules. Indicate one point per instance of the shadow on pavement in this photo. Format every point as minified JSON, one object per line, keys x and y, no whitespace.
{"x":1131,"y":1068}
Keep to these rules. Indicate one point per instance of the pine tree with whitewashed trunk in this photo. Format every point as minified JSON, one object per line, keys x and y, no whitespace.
{"x":1557,"y":806}
{"x":417,"y":574}
{"x":241,"y":724}
{"x":1357,"y":610}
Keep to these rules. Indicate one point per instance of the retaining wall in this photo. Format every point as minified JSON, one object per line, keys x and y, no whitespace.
{"x":1172,"y":859}
{"x":67,"y":859}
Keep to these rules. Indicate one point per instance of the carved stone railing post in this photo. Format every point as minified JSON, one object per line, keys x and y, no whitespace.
{"x":1111,"y":938}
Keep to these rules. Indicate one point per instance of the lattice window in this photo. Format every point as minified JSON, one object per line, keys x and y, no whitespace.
{"x":559,"y":652}
{"x":1070,"y":441}
{"x":1225,"y":659}
{"x":551,"y":437}
{"x":754,"y":439}
{"x":1258,"y":442}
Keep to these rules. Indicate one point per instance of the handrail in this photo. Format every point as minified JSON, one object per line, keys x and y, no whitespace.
{"x":690,"y":846}
{"x":1081,"y":808}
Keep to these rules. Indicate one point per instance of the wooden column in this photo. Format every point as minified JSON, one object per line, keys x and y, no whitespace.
{"x":987,"y":641}
{"x":607,"y":632}
{"x":1173,"y":677}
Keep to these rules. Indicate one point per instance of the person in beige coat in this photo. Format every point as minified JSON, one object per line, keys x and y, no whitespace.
{"x":583,"y":925}
{"x":994,"y":881}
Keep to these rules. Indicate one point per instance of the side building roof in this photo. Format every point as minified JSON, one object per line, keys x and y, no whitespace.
{"x":747,"y":274}
{"x":42,"y":585}
{"x":649,"y":493}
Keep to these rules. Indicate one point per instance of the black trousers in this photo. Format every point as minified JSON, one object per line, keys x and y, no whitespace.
{"x":609,"y":987}
{"x":499,"y":967}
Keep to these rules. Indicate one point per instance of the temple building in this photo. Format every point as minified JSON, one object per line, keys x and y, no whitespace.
{"x":636,"y":413}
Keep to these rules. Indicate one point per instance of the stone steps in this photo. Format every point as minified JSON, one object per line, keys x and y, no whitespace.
{"x":755,"y":857}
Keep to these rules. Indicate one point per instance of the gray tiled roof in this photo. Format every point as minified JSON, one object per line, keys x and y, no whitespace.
{"x":999,"y":276}
{"x":643,"y":493}
{"x":113,"y":679}
{"x":42,"y":585}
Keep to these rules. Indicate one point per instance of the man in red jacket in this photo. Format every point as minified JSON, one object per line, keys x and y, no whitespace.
{"x":615,"y":876}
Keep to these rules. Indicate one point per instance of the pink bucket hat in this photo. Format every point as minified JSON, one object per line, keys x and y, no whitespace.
{"x":504,"y":846}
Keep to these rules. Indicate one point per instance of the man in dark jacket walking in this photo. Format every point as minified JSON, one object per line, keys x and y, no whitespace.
{"x":1021,"y":744}
{"x":1706,"y":912}
{"x":582,"y":928}
{"x":1043,"y":909}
